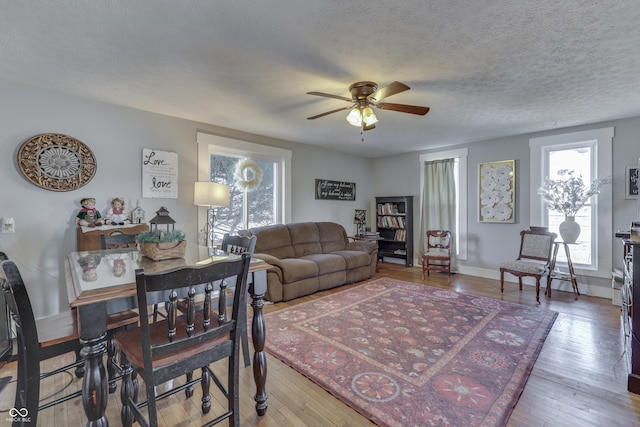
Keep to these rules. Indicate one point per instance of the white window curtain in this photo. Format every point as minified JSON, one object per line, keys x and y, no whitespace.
{"x":438,"y":203}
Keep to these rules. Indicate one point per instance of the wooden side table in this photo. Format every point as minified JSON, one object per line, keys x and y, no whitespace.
{"x":569,"y":276}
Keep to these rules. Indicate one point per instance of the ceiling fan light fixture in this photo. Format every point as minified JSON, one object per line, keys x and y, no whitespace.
{"x":355,"y":117}
{"x":368,"y":116}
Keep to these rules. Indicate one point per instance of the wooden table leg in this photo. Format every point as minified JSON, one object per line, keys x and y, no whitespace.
{"x":93,"y":333}
{"x":258,"y":336}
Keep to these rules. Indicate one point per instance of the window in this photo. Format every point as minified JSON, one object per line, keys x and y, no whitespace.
{"x":265,"y":205}
{"x":587,"y":153}
{"x":460,"y":172}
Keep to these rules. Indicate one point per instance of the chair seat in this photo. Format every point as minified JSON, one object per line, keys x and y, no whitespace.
{"x":130,"y":341}
{"x":439,"y":255}
{"x":528,"y":267}
{"x":123,"y":318}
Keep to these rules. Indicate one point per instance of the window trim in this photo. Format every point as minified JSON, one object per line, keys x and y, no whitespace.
{"x":461,"y":154}
{"x":213,"y":144}
{"x":601,"y":141}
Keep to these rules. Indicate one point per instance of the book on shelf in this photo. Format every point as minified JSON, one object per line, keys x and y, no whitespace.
{"x":400,"y":235}
{"x":391,"y":222}
{"x":387,"y":209}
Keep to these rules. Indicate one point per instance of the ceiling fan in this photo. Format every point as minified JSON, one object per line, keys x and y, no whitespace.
{"x":365,"y":95}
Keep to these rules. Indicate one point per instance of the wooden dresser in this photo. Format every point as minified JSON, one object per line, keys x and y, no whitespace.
{"x":88,"y":239}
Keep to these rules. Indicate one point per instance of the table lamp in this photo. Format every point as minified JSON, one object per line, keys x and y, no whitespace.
{"x":360,"y":218}
{"x":211,"y":195}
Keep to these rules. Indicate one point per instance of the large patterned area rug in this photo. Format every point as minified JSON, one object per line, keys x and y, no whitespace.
{"x":406,"y":354}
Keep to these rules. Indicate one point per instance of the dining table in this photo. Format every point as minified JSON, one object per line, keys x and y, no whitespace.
{"x":102,"y":282}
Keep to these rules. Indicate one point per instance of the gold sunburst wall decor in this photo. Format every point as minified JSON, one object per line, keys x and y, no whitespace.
{"x":56,"y":162}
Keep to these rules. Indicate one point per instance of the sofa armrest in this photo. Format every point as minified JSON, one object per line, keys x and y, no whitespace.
{"x":363,"y":245}
{"x":274,"y":262}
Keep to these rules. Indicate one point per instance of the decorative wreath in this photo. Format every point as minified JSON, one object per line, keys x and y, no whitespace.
{"x":248,"y":174}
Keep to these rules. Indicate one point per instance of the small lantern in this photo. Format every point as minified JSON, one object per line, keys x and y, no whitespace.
{"x":162,"y":218}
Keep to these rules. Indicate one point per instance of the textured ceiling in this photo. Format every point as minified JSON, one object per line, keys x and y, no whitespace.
{"x":487,"y":68}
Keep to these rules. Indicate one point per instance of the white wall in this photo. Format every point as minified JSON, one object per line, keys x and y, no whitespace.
{"x":490,"y":244}
{"x":45,"y":231}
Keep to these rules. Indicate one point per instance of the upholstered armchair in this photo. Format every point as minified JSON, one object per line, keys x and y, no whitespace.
{"x":533,"y":259}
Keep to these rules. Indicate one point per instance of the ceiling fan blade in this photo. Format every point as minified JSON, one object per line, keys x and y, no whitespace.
{"x":390,"y":89}
{"x":328,"y":95}
{"x":403,"y":108}
{"x":329,"y":112}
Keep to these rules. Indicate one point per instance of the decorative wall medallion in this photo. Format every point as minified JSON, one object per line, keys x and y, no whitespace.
{"x":56,"y":162}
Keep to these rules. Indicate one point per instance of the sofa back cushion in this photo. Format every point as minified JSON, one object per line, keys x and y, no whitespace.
{"x":305,"y":238}
{"x":333,"y":237}
{"x":274,"y":240}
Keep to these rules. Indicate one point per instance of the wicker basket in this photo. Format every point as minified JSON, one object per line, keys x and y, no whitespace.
{"x":160,"y":251}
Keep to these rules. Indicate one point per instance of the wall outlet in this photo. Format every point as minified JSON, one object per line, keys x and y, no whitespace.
{"x":8,"y":225}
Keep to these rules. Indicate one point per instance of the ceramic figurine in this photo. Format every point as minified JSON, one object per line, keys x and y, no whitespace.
{"x":116,"y":214}
{"x":89,"y":216}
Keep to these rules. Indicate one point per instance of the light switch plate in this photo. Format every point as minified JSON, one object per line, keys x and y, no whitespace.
{"x":8,"y":225}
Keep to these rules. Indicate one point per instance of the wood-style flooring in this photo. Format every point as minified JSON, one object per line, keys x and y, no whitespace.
{"x":579,"y":379}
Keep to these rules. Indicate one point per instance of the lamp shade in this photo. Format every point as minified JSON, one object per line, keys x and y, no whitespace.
{"x":355,"y":117}
{"x":210,"y":194}
{"x":368,"y":116}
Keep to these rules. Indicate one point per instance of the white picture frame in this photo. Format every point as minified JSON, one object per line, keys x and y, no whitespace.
{"x":159,"y":174}
{"x":497,"y":191}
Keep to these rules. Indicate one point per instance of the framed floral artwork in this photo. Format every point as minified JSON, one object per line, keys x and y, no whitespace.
{"x":497,"y":181}
{"x":631,"y":182}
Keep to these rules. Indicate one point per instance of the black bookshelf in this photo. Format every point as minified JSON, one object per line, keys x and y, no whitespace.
{"x":394,"y":219}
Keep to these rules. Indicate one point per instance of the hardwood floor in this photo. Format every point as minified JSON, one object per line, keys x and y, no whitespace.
{"x":579,"y":379}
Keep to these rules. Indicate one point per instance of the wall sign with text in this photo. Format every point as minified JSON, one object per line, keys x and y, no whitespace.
{"x":159,"y":174}
{"x":335,"y":190}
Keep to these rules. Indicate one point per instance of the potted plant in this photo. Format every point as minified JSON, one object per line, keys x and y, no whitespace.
{"x":567,"y":195}
{"x":160,"y":245}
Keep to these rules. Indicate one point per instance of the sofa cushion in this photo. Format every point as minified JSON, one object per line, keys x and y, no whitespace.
{"x":333,"y":237}
{"x":272,"y":239}
{"x":327,"y":263}
{"x":354,"y":259}
{"x":294,"y":269}
{"x":305,"y":238}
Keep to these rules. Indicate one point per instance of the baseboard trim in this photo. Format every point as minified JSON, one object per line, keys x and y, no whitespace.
{"x":585,"y":288}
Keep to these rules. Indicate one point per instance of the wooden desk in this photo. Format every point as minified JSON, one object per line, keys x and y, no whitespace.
{"x":569,"y":276}
{"x":97,"y":285}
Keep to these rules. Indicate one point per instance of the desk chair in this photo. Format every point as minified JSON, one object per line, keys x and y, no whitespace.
{"x":438,"y":254}
{"x":238,"y":245}
{"x":533,"y":259}
{"x":183,"y":342}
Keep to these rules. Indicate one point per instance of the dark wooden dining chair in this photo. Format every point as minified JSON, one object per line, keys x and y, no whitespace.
{"x":438,"y":254}
{"x":36,"y":341}
{"x":44,"y":338}
{"x":185,"y":341}
{"x":116,"y":240}
{"x":233,"y":244}
{"x":533,"y":259}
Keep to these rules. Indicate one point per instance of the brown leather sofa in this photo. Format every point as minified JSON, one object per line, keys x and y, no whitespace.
{"x":308,"y":257}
